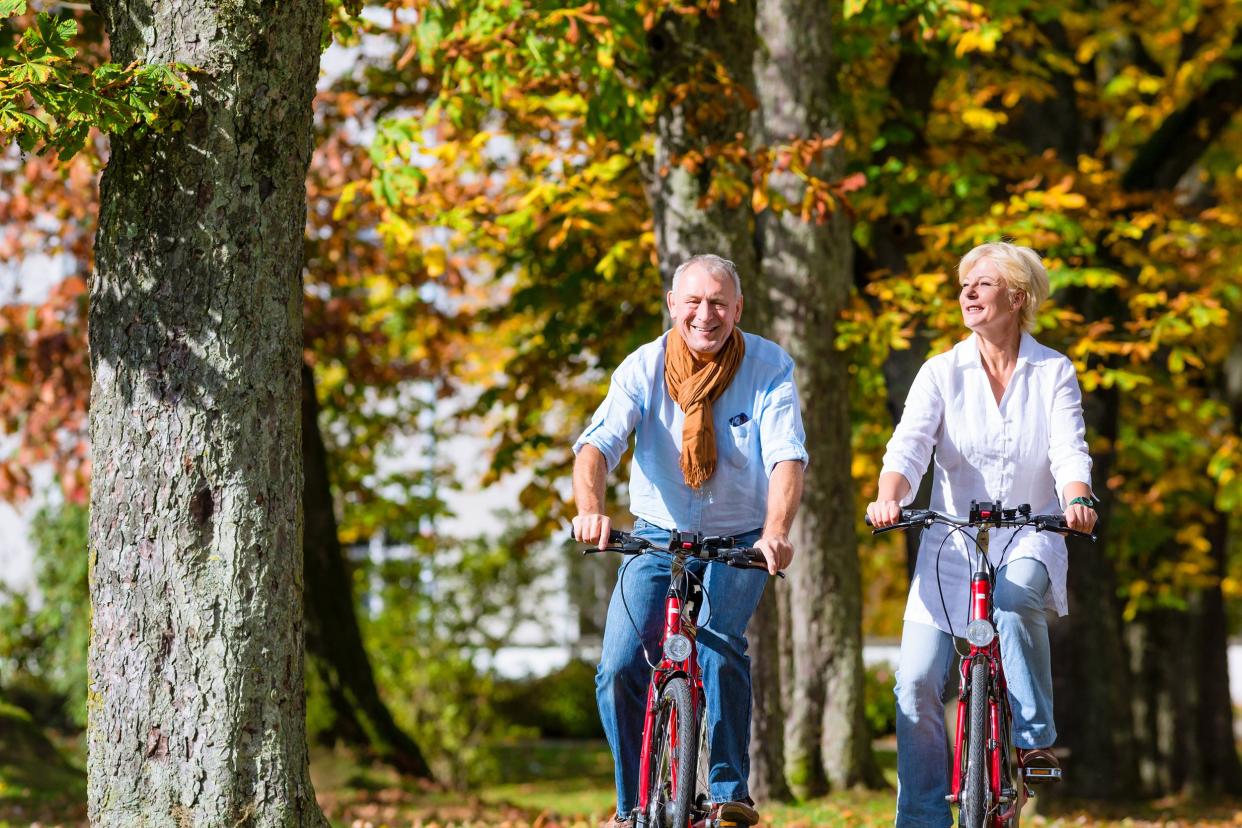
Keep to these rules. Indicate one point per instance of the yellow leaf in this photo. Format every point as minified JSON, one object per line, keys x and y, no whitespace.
{"x":759,"y":200}
{"x":435,"y":261}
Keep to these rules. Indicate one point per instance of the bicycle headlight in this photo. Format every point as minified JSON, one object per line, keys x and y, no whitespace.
{"x":980,"y":632}
{"x":677,"y":647}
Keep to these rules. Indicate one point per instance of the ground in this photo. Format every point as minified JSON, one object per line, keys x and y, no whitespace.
{"x":550,"y":785}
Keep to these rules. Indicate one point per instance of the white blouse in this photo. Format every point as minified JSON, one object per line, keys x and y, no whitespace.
{"x":1027,"y":449}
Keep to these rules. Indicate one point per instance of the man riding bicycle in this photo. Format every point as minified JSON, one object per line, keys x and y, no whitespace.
{"x":719,"y":451}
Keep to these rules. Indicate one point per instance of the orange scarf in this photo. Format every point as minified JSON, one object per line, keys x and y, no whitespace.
{"x":695,"y":382}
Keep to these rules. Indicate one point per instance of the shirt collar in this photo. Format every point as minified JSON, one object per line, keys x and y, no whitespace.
{"x":970,"y":353}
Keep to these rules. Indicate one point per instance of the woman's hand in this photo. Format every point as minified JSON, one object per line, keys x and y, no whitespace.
{"x":884,"y":513}
{"x":1080,"y":518}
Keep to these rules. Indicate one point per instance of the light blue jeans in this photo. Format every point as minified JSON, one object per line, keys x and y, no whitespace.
{"x":923,"y":750}
{"x":624,"y":674}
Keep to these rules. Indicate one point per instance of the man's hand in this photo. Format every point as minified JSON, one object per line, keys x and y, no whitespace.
{"x":777,"y":550}
{"x":592,"y":529}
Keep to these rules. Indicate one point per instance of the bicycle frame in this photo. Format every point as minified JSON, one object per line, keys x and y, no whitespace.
{"x":681,"y":609}
{"x":1004,"y":802}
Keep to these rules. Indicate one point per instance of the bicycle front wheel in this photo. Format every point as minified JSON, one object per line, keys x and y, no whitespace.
{"x":673,"y":757}
{"x":972,"y":805}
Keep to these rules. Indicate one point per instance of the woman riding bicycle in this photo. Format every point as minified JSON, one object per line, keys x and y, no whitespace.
{"x":1004,"y":416}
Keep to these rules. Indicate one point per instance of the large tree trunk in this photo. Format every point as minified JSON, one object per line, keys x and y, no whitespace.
{"x":1180,"y":692}
{"x":894,"y":237}
{"x":1220,"y":770}
{"x":197,"y":705}
{"x":1090,"y":676}
{"x":767,"y":723}
{"x":688,"y":49}
{"x":807,"y":270}
{"x":334,"y":649}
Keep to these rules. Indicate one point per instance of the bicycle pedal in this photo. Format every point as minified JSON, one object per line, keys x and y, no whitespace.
{"x":1041,"y":775}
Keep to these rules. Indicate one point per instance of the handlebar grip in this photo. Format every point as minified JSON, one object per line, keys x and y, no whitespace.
{"x":867,"y":519}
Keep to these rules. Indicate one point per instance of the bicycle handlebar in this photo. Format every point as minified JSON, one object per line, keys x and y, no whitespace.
{"x":725,"y":550}
{"x":1000,"y":518}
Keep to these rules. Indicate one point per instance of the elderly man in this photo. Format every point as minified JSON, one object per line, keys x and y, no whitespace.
{"x":719,"y":451}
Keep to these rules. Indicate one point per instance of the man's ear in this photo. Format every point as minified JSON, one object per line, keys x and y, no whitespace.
{"x":737,"y":317}
{"x":668,"y":298}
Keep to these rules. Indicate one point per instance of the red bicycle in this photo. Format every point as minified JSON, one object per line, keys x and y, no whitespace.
{"x":672,"y":781}
{"x":986,"y":767}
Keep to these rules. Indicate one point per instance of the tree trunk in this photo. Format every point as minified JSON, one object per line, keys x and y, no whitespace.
{"x":894,"y":237}
{"x":197,"y":701}
{"x":767,"y":723}
{"x":694,"y":49}
{"x":334,"y":649}
{"x":688,"y":49}
{"x":1090,"y":676}
{"x":1180,"y":692}
{"x":1213,"y":725}
{"x":807,"y":270}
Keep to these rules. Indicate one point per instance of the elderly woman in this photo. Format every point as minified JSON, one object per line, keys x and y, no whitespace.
{"x":1004,"y":415}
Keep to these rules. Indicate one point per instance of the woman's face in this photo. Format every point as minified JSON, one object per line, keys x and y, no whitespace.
{"x":988,"y":306}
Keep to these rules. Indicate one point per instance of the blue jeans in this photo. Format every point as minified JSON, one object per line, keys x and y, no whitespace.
{"x":923,"y":751}
{"x":624,"y":674}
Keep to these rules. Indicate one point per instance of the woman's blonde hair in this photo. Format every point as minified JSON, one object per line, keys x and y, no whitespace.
{"x":1022,"y":270}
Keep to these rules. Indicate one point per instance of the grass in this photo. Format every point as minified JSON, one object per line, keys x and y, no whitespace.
{"x":38,"y":785}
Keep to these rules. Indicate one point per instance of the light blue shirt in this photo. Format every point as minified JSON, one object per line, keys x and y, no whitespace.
{"x":758,"y":424}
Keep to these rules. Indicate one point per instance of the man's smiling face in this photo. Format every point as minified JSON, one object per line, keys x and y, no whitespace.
{"x":704,"y":307}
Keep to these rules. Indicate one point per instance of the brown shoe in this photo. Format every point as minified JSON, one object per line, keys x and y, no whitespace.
{"x":1039,"y":766}
{"x":617,"y":822}
{"x":734,"y":814}
{"x":1038,"y":758}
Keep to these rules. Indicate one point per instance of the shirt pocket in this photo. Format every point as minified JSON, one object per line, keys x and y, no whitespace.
{"x":738,"y":443}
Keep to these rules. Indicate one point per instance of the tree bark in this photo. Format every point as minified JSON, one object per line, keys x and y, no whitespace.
{"x":913,"y":82}
{"x":807,"y":271}
{"x":767,"y":723}
{"x":197,"y":702}
{"x":687,"y":49}
{"x":334,"y":648}
{"x":1090,"y":673}
{"x":1182,"y":709}
{"x":1214,"y":723}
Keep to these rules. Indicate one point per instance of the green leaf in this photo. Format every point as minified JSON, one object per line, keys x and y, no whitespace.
{"x":11,"y":8}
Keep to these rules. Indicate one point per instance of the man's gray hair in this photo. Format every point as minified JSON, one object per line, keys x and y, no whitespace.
{"x":718,"y":266}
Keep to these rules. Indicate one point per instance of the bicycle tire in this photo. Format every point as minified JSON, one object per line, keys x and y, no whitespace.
{"x":972,"y":809}
{"x":674,"y":756}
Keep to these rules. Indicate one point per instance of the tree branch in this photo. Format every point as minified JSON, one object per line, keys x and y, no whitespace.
{"x":1184,"y":136}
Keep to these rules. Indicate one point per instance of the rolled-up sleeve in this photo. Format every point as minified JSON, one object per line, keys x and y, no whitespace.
{"x":910,"y":448}
{"x":781,"y":435}
{"x":616,"y":417}
{"x":1067,"y":433}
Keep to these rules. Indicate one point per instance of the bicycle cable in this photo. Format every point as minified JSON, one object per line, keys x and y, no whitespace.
{"x":993,"y":570}
{"x":940,"y":587}
{"x":621,"y":589}
{"x":660,"y":554}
